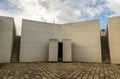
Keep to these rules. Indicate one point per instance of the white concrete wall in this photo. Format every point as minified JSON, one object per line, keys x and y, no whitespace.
{"x":85,"y":37}
{"x":35,"y":40}
{"x":6,"y":38}
{"x":114,"y":39}
{"x":53,"y":50}
{"x":67,"y":50}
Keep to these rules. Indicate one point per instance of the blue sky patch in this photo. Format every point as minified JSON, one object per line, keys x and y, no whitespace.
{"x":8,"y":6}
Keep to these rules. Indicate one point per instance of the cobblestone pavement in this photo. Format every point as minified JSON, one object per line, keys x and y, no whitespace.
{"x":59,"y":71}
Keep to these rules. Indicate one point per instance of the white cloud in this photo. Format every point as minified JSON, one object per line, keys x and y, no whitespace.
{"x":114,"y":5}
{"x":59,"y":11}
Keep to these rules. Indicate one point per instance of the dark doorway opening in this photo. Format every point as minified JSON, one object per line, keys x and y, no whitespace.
{"x":105,"y":48}
{"x":16,"y":49}
{"x":60,"y":52}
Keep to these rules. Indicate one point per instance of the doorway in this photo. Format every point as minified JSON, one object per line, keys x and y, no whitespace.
{"x":60,"y":52}
{"x":105,"y":49}
{"x":16,"y":50}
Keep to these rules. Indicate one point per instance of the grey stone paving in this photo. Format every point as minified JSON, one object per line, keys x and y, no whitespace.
{"x":59,"y":71}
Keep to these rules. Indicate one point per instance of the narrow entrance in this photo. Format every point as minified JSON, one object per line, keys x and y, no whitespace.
{"x":60,"y":52}
{"x":16,"y":50}
{"x":105,"y":48}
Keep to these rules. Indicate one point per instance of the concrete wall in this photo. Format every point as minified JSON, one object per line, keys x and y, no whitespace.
{"x":35,"y":40}
{"x":85,"y":37}
{"x":53,"y":50}
{"x":114,"y":39}
{"x":7,"y":33}
{"x":67,"y":50}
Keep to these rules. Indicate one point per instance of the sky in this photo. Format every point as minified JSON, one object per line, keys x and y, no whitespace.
{"x":59,"y":11}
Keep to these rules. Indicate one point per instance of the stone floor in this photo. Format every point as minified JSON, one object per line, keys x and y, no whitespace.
{"x":59,"y":71}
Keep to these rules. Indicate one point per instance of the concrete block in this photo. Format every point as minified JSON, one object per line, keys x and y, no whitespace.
{"x":53,"y":50}
{"x":7,"y":33}
{"x":67,"y":50}
{"x":85,"y":38}
{"x":35,"y":40}
{"x":114,"y":39}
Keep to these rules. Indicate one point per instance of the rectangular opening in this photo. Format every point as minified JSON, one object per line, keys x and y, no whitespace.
{"x":60,"y":52}
{"x":105,"y":48}
{"x":16,"y":50}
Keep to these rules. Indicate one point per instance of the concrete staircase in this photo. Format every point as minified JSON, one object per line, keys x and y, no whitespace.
{"x":16,"y":50}
{"x":105,"y":50}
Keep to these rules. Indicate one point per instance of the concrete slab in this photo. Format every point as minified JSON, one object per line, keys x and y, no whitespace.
{"x":114,"y":39}
{"x":67,"y":50}
{"x":53,"y":50}
{"x":7,"y":33}
{"x":35,"y":40}
{"x":85,"y":38}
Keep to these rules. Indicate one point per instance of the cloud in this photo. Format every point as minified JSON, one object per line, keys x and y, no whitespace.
{"x":114,"y":5}
{"x":58,"y":11}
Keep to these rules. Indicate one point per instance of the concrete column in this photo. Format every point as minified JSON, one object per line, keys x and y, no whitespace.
{"x":67,"y":50}
{"x":53,"y":50}
{"x":114,"y":39}
{"x":7,"y":36}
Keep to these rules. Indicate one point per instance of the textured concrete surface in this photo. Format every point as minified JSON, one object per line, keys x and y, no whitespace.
{"x":53,"y":50}
{"x":67,"y":50}
{"x":85,"y":37}
{"x":35,"y":40}
{"x":85,"y":40}
{"x":59,"y":71}
{"x":114,"y":39}
{"x":7,"y":33}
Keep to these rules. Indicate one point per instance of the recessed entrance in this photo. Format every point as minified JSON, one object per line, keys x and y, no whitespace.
{"x":16,"y":50}
{"x":60,"y":52}
{"x":105,"y":49}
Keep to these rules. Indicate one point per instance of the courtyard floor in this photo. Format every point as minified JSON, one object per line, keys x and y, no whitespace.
{"x":59,"y":71}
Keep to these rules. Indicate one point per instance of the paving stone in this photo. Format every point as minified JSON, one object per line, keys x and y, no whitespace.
{"x":59,"y":71}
